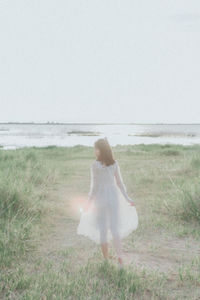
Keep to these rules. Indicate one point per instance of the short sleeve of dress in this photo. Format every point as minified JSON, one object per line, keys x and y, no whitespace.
{"x":120,"y":182}
{"x":93,"y":181}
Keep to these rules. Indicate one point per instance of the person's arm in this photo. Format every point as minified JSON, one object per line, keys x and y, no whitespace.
{"x":121,"y":184}
{"x":93,"y":184}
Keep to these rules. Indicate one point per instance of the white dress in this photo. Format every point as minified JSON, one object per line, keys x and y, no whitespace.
{"x":110,"y":213}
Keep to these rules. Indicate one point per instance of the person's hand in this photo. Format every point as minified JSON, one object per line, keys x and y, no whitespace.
{"x":131,"y":202}
{"x":86,"y":206}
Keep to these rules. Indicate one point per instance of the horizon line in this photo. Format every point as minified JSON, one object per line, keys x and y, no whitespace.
{"x":94,"y":123}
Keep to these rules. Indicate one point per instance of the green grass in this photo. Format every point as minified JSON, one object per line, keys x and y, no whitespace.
{"x":35,"y":185}
{"x":95,"y":280}
{"x":23,"y":179}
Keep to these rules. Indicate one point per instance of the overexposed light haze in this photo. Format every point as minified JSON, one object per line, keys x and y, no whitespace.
{"x":100,"y":61}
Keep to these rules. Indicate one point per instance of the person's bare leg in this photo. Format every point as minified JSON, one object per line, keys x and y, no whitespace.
{"x":118,"y":248}
{"x":117,"y":242}
{"x":104,"y":243}
{"x":103,"y":231}
{"x":104,"y":249}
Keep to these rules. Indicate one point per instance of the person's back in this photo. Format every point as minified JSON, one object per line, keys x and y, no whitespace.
{"x":106,"y":176}
{"x":108,"y":214}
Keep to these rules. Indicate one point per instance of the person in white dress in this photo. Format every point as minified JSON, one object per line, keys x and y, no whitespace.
{"x":109,"y":212}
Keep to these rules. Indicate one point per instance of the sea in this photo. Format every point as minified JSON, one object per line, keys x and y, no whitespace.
{"x":19,"y":135}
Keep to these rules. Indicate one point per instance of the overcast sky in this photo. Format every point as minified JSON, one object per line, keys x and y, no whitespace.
{"x":100,"y":61}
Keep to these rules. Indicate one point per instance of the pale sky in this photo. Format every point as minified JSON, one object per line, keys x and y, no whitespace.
{"x":100,"y":61}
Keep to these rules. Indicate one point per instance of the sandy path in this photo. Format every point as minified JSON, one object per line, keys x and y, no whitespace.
{"x":154,"y":251}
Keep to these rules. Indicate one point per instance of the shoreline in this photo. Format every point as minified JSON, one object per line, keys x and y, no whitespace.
{"x":164,"y":145}
{"x":120,"y":146}
{"x":106,"y":123}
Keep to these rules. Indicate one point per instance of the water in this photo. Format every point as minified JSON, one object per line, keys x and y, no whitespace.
{"x":14,"y":136}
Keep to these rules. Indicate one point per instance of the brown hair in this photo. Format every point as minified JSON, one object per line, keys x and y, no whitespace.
{"x":106,"y":155}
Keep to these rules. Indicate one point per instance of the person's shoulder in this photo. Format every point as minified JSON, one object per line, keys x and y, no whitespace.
{"x":116,"y":165}
{"x":97,"y":164}
{"x":116,"y":162}
{"x":94,"y":163}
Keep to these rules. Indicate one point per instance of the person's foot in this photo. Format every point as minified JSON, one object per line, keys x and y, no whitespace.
{"x":111,"y":257}
{"x":120,"y":263}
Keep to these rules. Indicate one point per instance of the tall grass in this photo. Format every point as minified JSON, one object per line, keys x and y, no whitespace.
{"x":190,"y":193}
{"x":23,"y":181}
{"x":190,"y":204}
{"x":185,"y":201}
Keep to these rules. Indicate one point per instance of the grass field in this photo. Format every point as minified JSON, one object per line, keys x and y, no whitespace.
{"x":41,"y":255}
